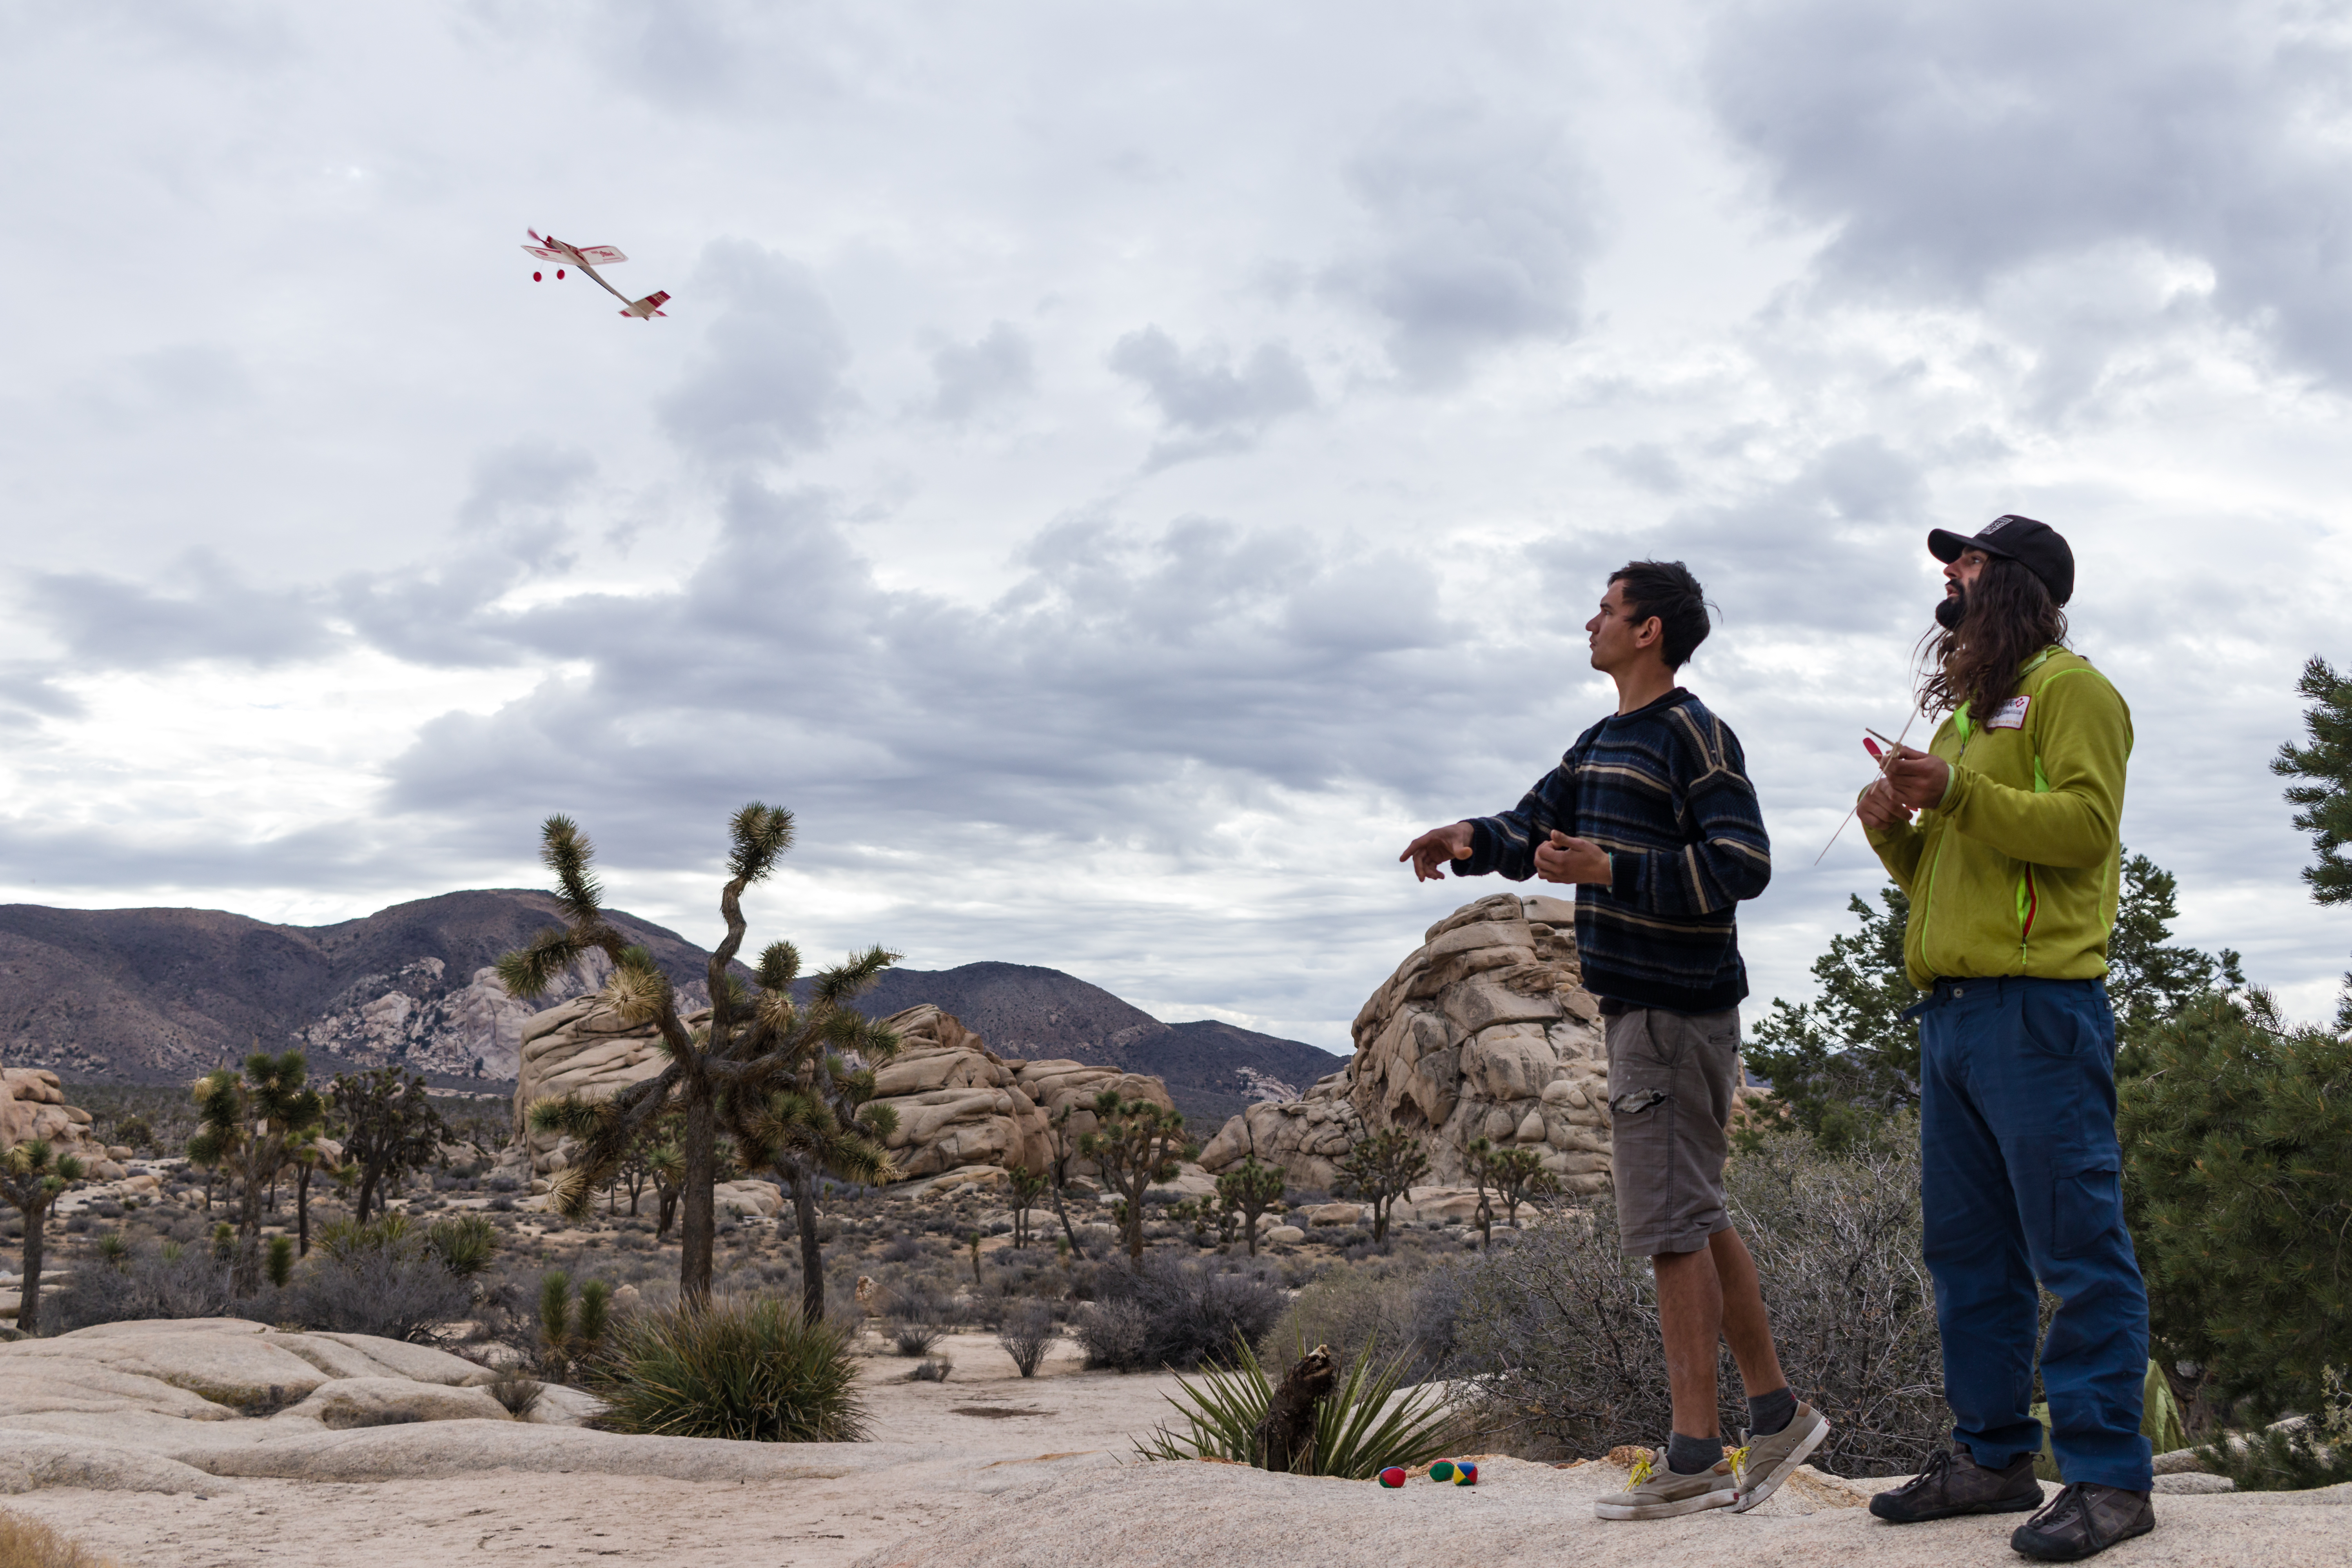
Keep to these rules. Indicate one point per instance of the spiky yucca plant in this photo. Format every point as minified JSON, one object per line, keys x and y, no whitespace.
{"x":31,"y":1176}
{"x":754,"y":1049}
{"x":752,"y":1370}
{"x":251,"y":1123}
{"x":1358,"y":1432}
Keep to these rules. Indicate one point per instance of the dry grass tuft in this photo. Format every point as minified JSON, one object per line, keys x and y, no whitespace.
{"x":29,"y":1543}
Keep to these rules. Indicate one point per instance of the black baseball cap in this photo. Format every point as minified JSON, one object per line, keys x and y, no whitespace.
{"x":2036,"y":546}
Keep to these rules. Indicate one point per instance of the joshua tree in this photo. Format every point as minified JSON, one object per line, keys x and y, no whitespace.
{"x":1519,"y":1177}
{"x":1381,"y":1169}
{"x":755,"y":1047}
{"x":1248,"y":1193}
{"x":1135,"y":1143}
{"x":390,"y":1128}
{"x":813,"y":1118}
{"x":1027,"y":1187}
{"x":1065,"y":1145}
{"x":306,"y":1157}
{"x":1477,"y":1156}
{"x":31,"y":1177}
{"x":251,"y":1121}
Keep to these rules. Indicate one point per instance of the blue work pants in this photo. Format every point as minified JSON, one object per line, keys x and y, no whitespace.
{"x":2022,"y":1179}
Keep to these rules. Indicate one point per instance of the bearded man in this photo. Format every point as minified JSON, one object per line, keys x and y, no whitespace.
{"x":2011,"y":869}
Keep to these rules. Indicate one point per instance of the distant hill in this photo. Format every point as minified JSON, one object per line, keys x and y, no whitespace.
{"x":160,"y":995}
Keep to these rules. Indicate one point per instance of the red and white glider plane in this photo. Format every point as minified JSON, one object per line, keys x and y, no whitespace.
{"x":550,"y":248}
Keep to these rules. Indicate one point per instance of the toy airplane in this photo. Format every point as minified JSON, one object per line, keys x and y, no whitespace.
{"x":550,"y":248}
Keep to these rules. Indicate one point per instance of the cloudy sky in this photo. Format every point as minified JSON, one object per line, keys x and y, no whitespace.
{"x":1116,"y":472}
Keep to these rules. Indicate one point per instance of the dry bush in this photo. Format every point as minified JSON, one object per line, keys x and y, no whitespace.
{"x":1029,"y":1332}
{"x":1564,"y":1328}
{"x":29,"y":1543}
{"x":1407,"y":1303}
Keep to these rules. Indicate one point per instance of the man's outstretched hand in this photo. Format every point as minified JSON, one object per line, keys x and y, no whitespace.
{"x":1566,"y":859}
{"x":1430,"y":852}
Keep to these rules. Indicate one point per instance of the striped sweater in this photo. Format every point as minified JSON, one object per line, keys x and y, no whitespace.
{"x":1664,"y":790}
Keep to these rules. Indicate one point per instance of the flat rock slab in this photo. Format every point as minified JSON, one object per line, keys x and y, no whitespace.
{"x":1183,"y":1515}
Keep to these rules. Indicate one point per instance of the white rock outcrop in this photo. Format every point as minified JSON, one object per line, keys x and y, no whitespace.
{"x":1485,"y":1030}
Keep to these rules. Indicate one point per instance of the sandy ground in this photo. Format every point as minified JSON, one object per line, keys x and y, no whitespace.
{"x":987,"y":1471}
{"x":1003,"y":1429}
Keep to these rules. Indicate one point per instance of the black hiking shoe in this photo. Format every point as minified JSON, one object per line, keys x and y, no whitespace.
{"x":1953,"y":1483}
{"x":2082,"y":1521}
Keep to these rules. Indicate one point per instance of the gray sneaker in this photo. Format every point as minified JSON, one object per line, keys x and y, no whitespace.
{"x":1657,"y":1492}
{"x":1766,"y":1462}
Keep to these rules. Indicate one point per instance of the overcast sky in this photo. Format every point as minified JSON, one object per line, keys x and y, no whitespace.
{"x":1118,"y":470}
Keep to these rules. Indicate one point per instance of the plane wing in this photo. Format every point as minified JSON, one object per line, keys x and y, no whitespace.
{"x":602,"y":255}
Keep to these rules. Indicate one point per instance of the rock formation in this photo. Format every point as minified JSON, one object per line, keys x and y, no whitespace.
{"x":32,"y":1107}
{"x":1484,"y":1031}
{"x":960,"y":1105}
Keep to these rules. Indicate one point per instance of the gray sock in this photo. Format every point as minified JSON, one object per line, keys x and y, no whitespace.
{"x":1689,"y":1456}
{"x":1770,"y":1412}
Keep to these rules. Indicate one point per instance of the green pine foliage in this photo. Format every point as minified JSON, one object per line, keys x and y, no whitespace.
{"x":1840,"y":1066}
{"x":750,"y":1370}
{"x":2238,"y":1139}
{"x":2324,"y":800}
{"x":2293,"y":1456}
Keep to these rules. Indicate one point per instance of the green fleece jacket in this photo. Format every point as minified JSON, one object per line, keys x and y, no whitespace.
{"x":2015,"y":872}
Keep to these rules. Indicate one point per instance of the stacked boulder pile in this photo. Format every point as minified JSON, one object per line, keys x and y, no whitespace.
{"x":33,"y":1107}
{"x":966,"y":1115}
{"x":1483,"y":1031}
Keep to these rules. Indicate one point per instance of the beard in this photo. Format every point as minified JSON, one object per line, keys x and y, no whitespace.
{"x":1954,"y":609}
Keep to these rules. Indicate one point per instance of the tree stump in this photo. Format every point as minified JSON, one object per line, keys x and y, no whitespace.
{"x":1286,"y":1433}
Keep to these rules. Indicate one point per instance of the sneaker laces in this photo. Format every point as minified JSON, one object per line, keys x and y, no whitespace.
{"x":1643,"y":1469}
{"x":1739,"y":1459}
{"x":1932,"y":1471}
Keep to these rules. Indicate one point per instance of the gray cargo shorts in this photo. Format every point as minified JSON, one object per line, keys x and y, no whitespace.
{"x":1670,"y":1093}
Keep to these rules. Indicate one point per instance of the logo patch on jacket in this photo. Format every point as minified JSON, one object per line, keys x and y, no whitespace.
{"x":2010,"y":715}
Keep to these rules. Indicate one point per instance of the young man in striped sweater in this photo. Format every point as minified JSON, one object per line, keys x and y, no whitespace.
{"x":1651,"y":815}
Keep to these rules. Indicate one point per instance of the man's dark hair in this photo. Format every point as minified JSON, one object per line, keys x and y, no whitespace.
{"x":2009,"y":616}
{"x":1666,"y":589}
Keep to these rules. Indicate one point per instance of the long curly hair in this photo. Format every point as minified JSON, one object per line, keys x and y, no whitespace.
{"x":2010,"y":618}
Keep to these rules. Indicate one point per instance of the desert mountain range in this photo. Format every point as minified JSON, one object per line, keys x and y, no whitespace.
{"x":161,"y":995}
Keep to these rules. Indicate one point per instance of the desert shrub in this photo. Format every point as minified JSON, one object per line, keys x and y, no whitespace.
{"x":1193,"y":1309}
{"x":1360,"y":1428}
{"x":750,"y":1370}
{"x":1112,"y":1334}
{"x":1566,"y":1327}
{"x":462,"y":1246}
{"x":1408,"y":1306}
{"x":903,"y":1249}
{"x":932,"y":1368}
{"x":2301,"y":1453}
{"x":1029,"y":1332}
{"x":172,"y":1281}
{"x":519,"y":1393}
{"x":396,"y":1293}
{"x":29,"y":1543}
{"x":916,"y":1313}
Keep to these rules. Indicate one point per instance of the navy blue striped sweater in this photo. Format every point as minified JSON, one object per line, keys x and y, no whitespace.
{"x":1664,"y":790}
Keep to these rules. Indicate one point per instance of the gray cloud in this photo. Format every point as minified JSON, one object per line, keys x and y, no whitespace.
{"x":513,"y":526}
{"x":1484,"y":224}
{"x":1209,"y":404}
{"x":768,"y":383}
{"x":207,"y":611}
{"x":1953,"y":146}
{"x":994,"y":368}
